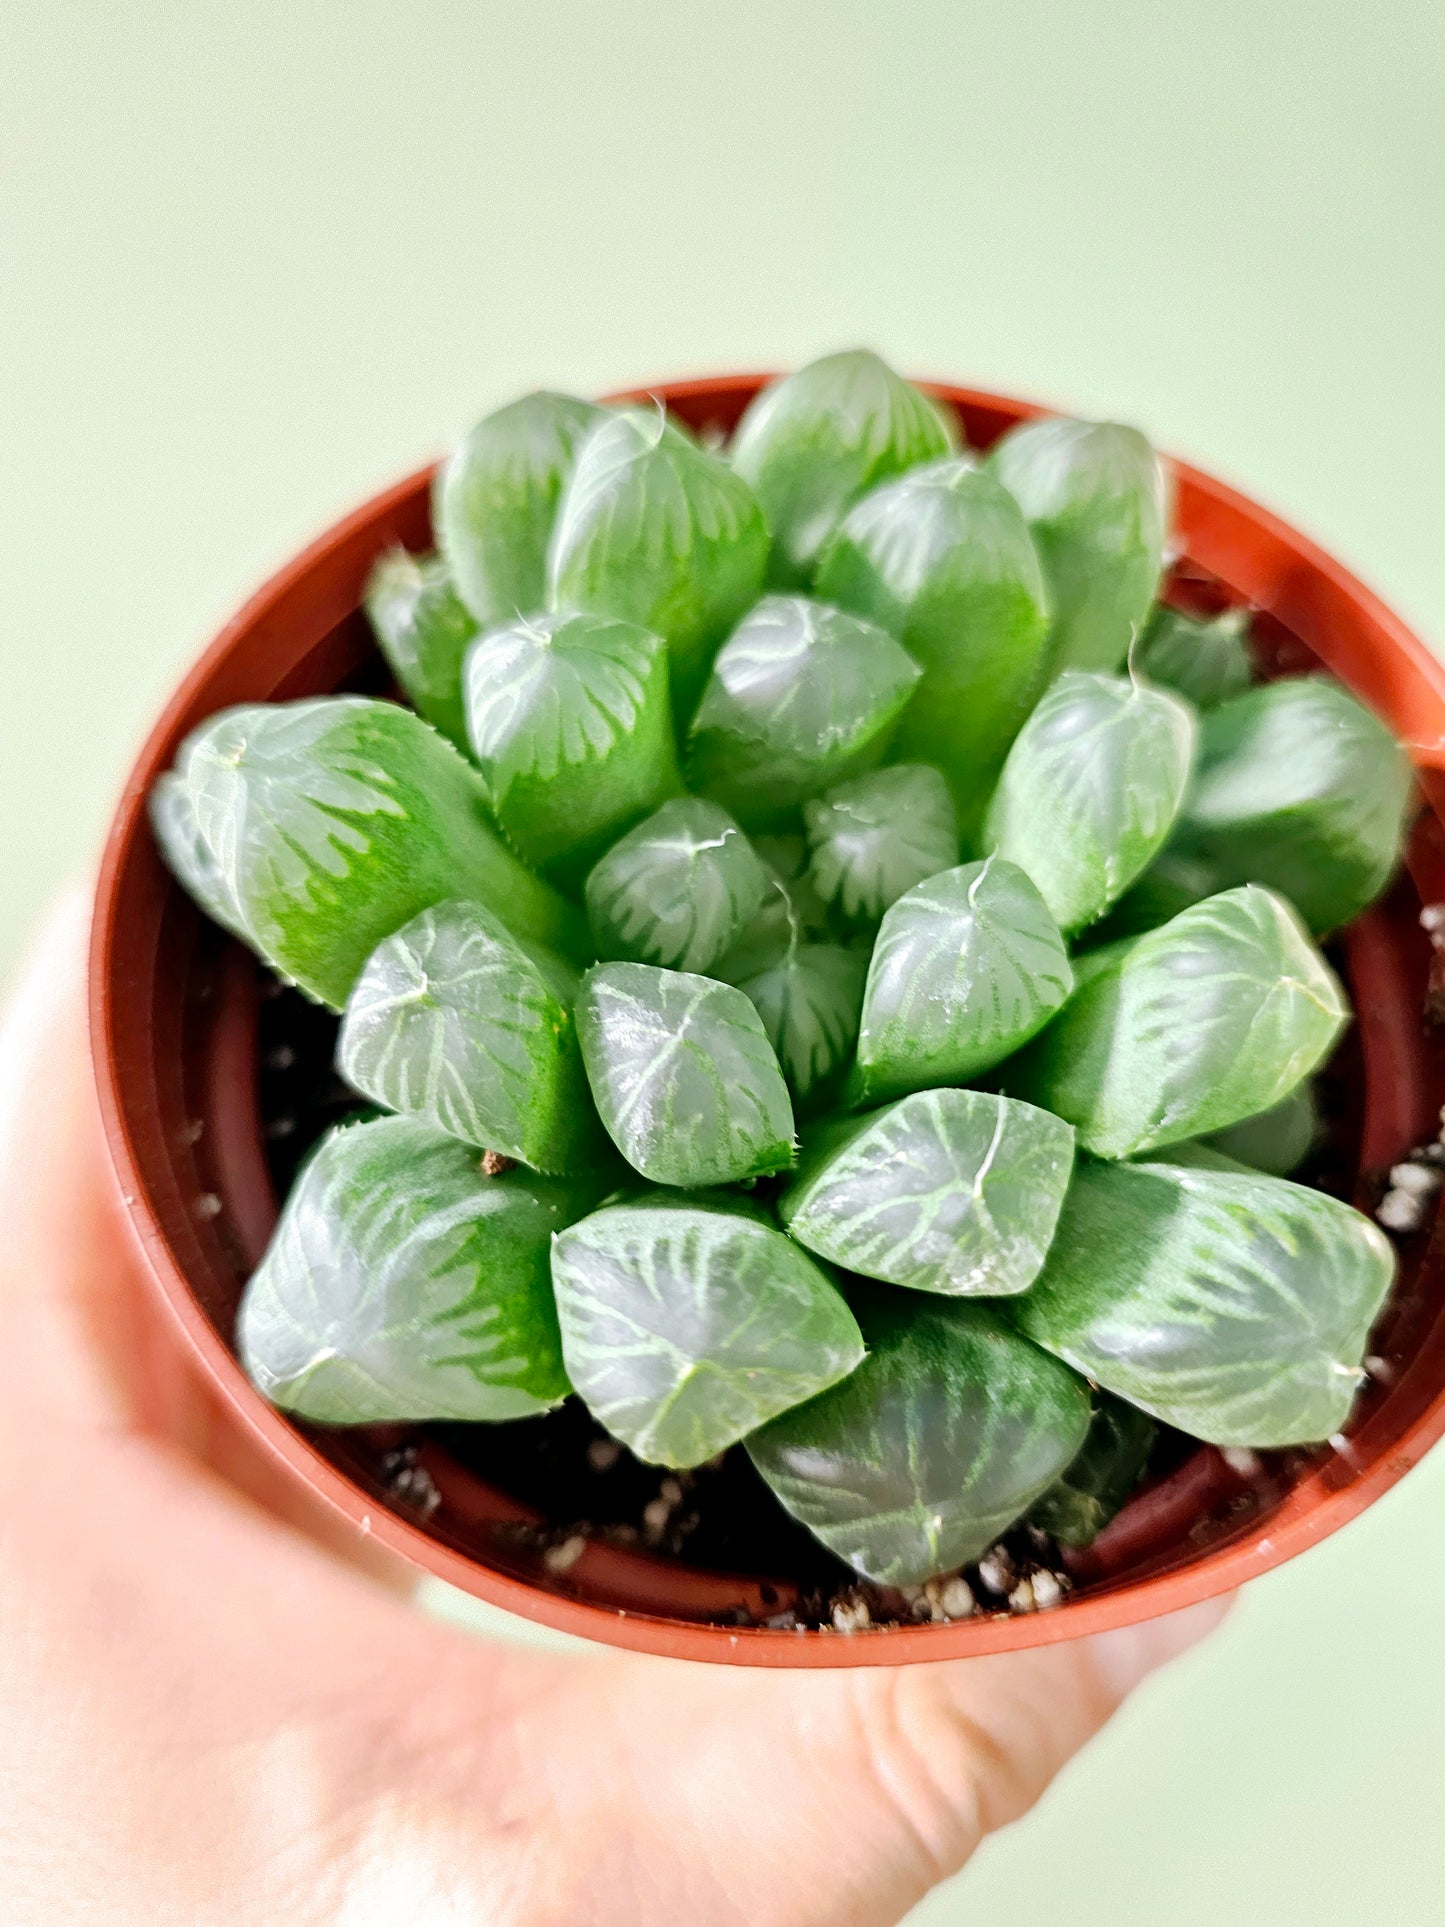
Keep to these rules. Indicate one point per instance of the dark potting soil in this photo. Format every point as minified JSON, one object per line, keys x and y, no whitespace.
{"x":720,"y":1516}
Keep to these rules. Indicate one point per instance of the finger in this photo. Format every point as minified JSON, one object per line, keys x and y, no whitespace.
{"x":833,"y":1798}
{"x":998,"y":1730}
{"x":82,"y":1343}
{"x":72,"y":1350}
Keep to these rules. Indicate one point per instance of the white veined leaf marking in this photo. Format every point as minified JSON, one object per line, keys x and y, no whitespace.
{"x":949,"y":1430}
{"x":678,"y":890}
{"x":684,"y":1326}
{"x":1234,"y":1306}
{"x":330,"y":822}
{"x":452,"y":1020}
{"x":549,"y":691}
{"x":1209,"y":1019}
{"x":875,"y":837}
{"x":1096,"y":499}
{"x":424,"y":630}
{"x":967,"y":967}
{"x":1090,"y":790}
{"x":948,"y":1191}
{"x":571,"y":725}
{"x":683,"y":1075}
{"x":801,"y":695}
{"x":401,"y":1284}
{"x":496,"y":500}
{"x":662,"y":533}
{"x":810,"y":1001}
{"x":811,"y":444}
{"x":943,"y":558}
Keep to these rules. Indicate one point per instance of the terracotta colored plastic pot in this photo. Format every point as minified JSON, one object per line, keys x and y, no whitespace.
{"x":174,"y":1027}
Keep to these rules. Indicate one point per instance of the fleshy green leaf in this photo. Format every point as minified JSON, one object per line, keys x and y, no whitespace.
{"x":453,"y":1021}
{"x":190,"y":859}
{"x":1090,"y":790}
{"x":800,"y":696}
{"x":1299,"y":787}
{"x":678,"y":890}
{"x":967,"y":967}
{"x":948,"y":1431}
{"x":496,"y":501}
{"x":1207,"y":1020}
{"x":330,"y":823}
{"x":657,"y":531}
{"x":1171,"y":883}
{"x":949,"y":1191}
{"x":401,"y":1284}
{"x":1236,"y":1307}
{"x":810,"y":1000}
{"x":424,"y":630}
{"x":571,"y":723}
{"x":1278,"y":1140}
{"x":685,"y":1325}
{"x":944,"y":559}
{"x":874,"y":838}
{"x":1109,"y":1466}
{"x":785,"y":852}
{"x":1205,"y":659}
{"x":791,"y":912}
{"x":812,"y":444}
{"x":683,"y":1075}
{"x":1095,"y":497}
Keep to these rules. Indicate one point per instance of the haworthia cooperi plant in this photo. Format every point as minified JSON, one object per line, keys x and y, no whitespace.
{"x":875,"y":924}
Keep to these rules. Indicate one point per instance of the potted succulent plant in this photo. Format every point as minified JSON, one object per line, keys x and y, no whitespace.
{"x":790,"y":991}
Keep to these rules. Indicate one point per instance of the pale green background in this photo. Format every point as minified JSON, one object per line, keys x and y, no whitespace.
{"x":258,"y":259}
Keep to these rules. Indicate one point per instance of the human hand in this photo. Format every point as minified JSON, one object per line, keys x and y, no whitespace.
{"x":213,"y":1713}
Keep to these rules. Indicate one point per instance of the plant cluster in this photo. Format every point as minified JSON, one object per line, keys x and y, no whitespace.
{"x":877,"y":938}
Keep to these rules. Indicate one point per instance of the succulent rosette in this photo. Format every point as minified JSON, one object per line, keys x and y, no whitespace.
{"x":829,"y":968}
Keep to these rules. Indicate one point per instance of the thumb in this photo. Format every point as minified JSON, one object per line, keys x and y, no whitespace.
{"x":1127,"y":1657}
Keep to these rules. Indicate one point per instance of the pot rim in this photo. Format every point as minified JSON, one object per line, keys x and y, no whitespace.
{"x":1404,"y":677}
